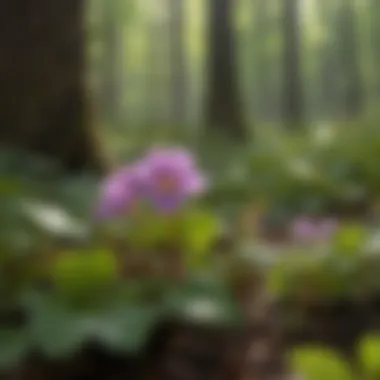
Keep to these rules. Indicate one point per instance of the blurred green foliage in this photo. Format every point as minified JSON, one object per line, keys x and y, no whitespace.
{"x":325,"y":169}
{"x":315,"y":363}
{"x":77,"y":281}
{"x":346,"y":267}
{"x":74,"y":280}
{"x":318,"y":362}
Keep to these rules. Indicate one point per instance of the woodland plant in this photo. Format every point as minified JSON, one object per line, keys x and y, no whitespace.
{"x":154,"y":201}
{"x":116,"y":289}
{"x":321,"y":268}
{"x":302,"y":173}
{"x":318,"y":362}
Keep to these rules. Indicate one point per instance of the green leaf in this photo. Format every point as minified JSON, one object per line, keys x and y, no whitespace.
{"x":206,"y":301}
{"x":350,"y":239}
{"x":199,"y":231}
{"x":309,"y":277}
{"x":14,"y":345}
{"x":276,"y":280}
{"x":288,"y":271}
{"x":10,"y":186}
{"x":369,"y":354}
{"x":53,"y":328}
{"x":150,"y":231}
{"x":84,"y":272}
{"x":316,"y":363}
{"x":59,"y":331}
{"x":54,"y":220}
{"x":128,"y":328}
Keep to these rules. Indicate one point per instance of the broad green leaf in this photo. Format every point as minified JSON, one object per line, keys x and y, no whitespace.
{"x":53,"y":328}
{"x":276,"y":279}
{"x":350,"y":239}
{"x":285,"y":275}
{"x":59,"y":332}
{"x":87,"y":271}
{"x":54,"y":219}
{"x":128,"y":328}
{"x":317,"y":363}
{"x":203,"y":301}
{"x":199,"y":231}
{"x":150,"y":231}
{"x":369,"y":355}
{"x":10,"y":186}
{"x":14,"y":345}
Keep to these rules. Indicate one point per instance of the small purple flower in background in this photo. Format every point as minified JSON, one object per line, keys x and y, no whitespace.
{"x":308,"y":230}
{"x":172,"y":177}
{"x":303,"y":229}
{"x":327,"y":227}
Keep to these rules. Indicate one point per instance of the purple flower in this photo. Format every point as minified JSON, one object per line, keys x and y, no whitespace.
{"x":308,"y":230}
{"x":164,"y":179}
{"x":327,"y":227}
{"x":119,"y":193}
{"x":303,"y":229}
{"x":171,"y":177}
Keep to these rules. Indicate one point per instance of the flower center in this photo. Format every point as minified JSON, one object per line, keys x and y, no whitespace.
{"x":166,"y":183}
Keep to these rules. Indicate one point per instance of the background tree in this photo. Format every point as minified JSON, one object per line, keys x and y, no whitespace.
{"x":177,"y":62}
{"x":351,"y":82}
{"x":292,"y":97}
{"x":223,"y":107}
{"x":326,"y":78}
{"x":43,"y":105}
{"x":262,"y":23}
{"x":156,"y":66}
{"x":374,"y":21}
{"x":112,"y":90}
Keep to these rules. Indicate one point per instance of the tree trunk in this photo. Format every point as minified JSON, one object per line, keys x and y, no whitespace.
{"x":293,"y":105}
{"x":113,"y":59}
{"x":327,"y":83}
{"x":155,"y":104}
{"x":177,"y":62}
{"x":375,"y":37}
{"x":261,"y":32}
{"x":43,"y":105}
{"x":352,"y":95}
{"x":223,"y":108}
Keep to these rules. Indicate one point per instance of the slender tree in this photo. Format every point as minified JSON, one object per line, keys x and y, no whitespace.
{"x":177,"y":61}
{"x":293,"y":104}
{"x":43,"y":105}
{"x":327,"y":79}
{"x":375,"y":45}
{"x":261,"y":60}
{"x":151,"y":73}
{"x":113,"y":20}
{"x":352,"y":94}
{"x":223,"y":107}
{"x":156,"y":84}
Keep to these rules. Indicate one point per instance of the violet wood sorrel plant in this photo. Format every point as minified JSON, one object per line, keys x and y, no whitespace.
{"x":165,"y":180}
{"x":155,"y":199}
{"x":163,"y":266}
{"x":168,"y":232}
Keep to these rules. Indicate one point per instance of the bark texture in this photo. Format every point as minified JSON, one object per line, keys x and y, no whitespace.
{"x":43,"y":105}
{"x":293,"y":107}
{"x":223,"y":107}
